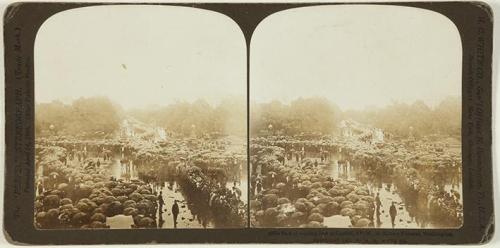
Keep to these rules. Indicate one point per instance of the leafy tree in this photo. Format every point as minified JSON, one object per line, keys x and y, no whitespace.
{"x":199,"y":117}
{"x":399,"y":118}
{"x":302,"y":116}
{"x":94,"y":116}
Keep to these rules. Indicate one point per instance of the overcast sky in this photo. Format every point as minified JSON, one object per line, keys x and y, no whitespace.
{"x":356,"y":56}
{"x":139,"y":55}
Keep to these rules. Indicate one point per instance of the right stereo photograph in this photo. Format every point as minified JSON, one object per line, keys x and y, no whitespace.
{"x":356,"y":119}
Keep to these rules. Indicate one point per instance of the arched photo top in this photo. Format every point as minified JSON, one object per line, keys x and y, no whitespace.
{"x":356,"y":99}
{"x":357,"y":55}
{"x":139,"y":55}
{"x":113,"y":83}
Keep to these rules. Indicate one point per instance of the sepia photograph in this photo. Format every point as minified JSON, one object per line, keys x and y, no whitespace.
{"x":140,"y":119}
{"x":356,"y":119}
{"x":247,"y":123}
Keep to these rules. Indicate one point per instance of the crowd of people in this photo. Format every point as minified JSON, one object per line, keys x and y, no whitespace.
{"x":74,"y":164}
{"x":284,"y":167}
{"x":294,"y":181}
{"x":81,"y":194}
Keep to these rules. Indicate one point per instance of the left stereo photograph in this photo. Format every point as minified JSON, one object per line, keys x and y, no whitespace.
{"x":140,"y":119}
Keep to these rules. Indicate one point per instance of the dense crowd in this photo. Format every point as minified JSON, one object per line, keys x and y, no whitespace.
{"x":79,"y":194}
{"x":289,"y":171}
{"x":75,"y":189}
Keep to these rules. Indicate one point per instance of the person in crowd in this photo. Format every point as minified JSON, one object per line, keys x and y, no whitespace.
{"x":253,"y":184}
{"x":258,"y":171}
{"x":273,"y":180}
{"x":72,"y":154}
{"x":259,"y":186}
{"x":302,"y":154}
{"x":161,"y":202}
{"x":236,"y":191}
{"x":175,"y":212}
{"x":378,"y":203}
{"x":85,"y":153}
{"x":65,"y":160}
{"x":393,"y":212}
{"x":40,"y":188}
{"x":371,"y":211}
{"x":122,"y":166}
{"x":290,"y":154}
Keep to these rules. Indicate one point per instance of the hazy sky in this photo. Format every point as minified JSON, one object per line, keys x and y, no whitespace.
{"x":139,"y":55}
{"x":356,"y":56}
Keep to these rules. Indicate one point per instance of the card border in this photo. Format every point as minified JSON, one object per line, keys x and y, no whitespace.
{"x":474,"y":21}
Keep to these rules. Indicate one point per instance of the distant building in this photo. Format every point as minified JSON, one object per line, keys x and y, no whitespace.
{"x":346,"y":129}
{"x":127,"y":130}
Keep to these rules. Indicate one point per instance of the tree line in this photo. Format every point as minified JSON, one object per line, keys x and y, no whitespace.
{"x":301,"y":116}
{"x":98,"y":116}
{"x":88,"y":117}
{"x":401,"y":119}
{"x":199,"y":117}
{"x":322,"y":117}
